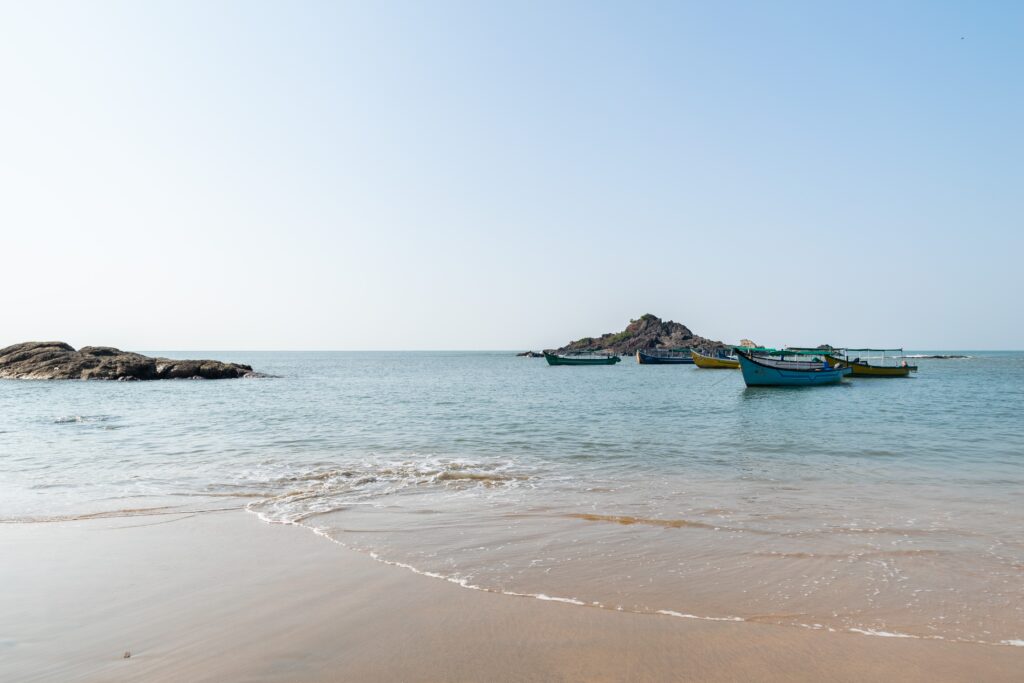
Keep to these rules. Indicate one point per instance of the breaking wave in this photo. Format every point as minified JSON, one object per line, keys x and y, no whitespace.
{"x":323,"y":489}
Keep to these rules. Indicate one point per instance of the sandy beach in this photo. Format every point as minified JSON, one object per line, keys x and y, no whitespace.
{"x":223,"y":596}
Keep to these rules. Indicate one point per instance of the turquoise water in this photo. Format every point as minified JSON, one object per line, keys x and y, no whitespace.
{"x":880,"y":506}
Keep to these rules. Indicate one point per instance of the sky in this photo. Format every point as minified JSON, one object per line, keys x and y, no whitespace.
{"x":483,"y":175}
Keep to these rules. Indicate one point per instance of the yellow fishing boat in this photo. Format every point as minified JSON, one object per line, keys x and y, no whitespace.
{"x":862,"y":368}
{"x":714,"y":363}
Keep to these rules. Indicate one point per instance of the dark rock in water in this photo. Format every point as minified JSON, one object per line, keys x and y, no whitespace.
{"x":530,"y":354}
{"x":100,"y":350}
{"x":646,"y":332}
{"x":57,"y":360}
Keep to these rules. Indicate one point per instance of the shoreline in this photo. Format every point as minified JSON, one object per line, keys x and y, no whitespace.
{"x":222,"y":595}
{"x":651,"y":612}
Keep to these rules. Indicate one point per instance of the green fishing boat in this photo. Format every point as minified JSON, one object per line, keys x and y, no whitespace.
{"x":582,"y":357}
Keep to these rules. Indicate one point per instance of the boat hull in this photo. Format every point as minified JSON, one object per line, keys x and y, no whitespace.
{"x":648,"y":359}
{"x":712,"y":363}
{"x":758,"y":374}
{"x":553,"y":359}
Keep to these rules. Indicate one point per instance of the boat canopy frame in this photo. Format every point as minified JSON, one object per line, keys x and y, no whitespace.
{"x":793,"y":351}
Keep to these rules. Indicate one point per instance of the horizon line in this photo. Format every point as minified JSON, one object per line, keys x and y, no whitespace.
{"x":494,"y":350}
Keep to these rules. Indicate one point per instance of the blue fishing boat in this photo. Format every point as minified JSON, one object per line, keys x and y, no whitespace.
{"x":768,"y":371}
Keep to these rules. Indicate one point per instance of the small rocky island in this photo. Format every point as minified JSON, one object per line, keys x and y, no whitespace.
{"x":646,"y":332}
{"x":57,"y":360}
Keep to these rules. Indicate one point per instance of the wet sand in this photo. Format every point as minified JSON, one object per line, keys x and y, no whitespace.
{"x":222,"y":596}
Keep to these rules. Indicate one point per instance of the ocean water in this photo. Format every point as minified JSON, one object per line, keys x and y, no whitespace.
{"x":885,"y":506}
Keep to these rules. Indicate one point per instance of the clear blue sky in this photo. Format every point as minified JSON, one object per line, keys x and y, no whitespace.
{"x":216,"y":175}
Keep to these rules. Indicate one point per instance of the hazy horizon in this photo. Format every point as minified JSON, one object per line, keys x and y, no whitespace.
{"x":399,"y":176}
{"x":511,"y":349}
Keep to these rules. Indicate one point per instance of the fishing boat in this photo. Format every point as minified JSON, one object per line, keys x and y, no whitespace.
{"x":582,"y":357}
{"x":765,"y":370}
{"x":859,"y":367}
{"x":664,"y":357}
{"x":714,"y":362}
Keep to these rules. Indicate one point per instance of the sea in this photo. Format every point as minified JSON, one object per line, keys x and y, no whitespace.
{"x":885,"y":507}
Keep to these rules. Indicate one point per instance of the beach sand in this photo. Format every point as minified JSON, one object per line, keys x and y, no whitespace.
{"x":225,"y":597}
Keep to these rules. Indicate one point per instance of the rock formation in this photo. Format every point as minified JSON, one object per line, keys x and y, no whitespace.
{"x":646,"y":332}
{"x":57,"y":360}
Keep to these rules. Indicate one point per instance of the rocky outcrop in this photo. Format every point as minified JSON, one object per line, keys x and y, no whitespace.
{"x":530,"y":354}
{"x":646,"y":332}
{"x":57,"y":360}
